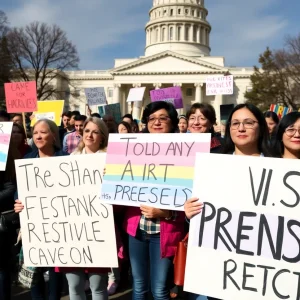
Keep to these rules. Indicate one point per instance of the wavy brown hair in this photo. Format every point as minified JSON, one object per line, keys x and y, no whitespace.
{"x":103,"y":130}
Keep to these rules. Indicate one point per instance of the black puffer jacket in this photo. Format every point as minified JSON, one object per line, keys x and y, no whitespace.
{"x":7,"y":190}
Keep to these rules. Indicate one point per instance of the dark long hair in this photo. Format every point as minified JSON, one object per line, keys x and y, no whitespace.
{"x":285,"y":122}
{"x":272,"y":115}
{"x":155,"y":106}
{"x":127,"y":126}
{"x":262,"y":143}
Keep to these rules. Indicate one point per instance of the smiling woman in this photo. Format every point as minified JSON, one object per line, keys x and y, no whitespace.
{"x":46,"y":139}
{"x":287,"y":144}
{"x":94,"y":140}
{"x":154,"y":233}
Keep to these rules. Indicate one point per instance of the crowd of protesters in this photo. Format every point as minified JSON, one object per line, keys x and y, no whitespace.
{"x":149,"y":235}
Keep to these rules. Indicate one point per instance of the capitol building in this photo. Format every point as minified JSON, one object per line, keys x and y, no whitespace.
{"x":177,"y":53}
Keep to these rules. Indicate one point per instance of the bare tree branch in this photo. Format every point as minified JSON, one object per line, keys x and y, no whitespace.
{"x":42,"y":53}
{"x":278,"y":80}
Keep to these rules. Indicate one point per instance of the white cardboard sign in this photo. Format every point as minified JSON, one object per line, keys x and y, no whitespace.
{"x":136,"y":94}
{"x":246,"y":243}
{"x":63,"y":223}
{"x":95,"y":96}
{"x":48,"y":115}
{"x":219,"y":85}
{"x":152,"y":169}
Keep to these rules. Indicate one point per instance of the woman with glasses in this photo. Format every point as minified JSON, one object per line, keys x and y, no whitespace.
{"x":287,"y":143}
{"x":201,"y":119}
{"x":94,"y":140}
{"x":246,"y":133}
{"x":154,"y":233}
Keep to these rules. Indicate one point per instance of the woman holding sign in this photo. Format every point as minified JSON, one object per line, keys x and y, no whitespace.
{"x":46,"y":138}
{"x":154,"y":233}
{"x":246,"y":134}
{"x":94,"y":140}
{"x":287,"y":137}
{"x":7,"y":229}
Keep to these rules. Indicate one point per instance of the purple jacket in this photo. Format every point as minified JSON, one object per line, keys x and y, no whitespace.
{"x":171,"y":232}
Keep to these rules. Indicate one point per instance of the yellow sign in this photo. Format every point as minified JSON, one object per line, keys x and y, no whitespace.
{"x":51,"y":110}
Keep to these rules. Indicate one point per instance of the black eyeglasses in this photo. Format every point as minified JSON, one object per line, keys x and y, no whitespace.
{"x":162,"y":119}
{"x":247,"y":123}
{"x":290,"y":132}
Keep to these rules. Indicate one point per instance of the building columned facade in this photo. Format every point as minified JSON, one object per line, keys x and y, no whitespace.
{"x":177,"y":53}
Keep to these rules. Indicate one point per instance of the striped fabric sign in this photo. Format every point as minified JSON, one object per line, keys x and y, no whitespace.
{"x":152,"y":169}
{"x":281,"y":111}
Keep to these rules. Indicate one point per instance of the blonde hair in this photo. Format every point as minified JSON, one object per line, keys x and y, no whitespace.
{"x":103,"y":130}
{"x":53,"y":129}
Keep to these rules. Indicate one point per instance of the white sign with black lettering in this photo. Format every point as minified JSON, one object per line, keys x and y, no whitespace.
{"x":246,"y":243}
{"x":63,"y":223}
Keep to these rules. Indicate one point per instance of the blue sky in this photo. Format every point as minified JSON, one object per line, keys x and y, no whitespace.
{"x":104,"y":30}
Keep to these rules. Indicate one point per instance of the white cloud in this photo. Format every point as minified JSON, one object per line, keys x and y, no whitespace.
{"x":243,"y":29}
{"x":90,"y":24}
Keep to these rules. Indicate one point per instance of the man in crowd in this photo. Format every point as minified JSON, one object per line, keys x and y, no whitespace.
{"x":128,"y":119}
{"x":71,"y":140}
{"x":72,"y":120}
{"x":17,"y":118}
{"x":110,"y":123}
{"x":66,"y":127}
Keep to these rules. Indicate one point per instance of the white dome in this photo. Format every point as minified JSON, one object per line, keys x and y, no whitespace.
{"x":179,"y":26}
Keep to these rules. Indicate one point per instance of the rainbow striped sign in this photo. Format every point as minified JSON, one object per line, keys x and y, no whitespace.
{"x":5,"y":134}
{"x":281,"y":111}
{"x":152,"y":169}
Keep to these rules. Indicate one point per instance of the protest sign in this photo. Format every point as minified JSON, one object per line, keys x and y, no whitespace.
{"x":136,"y":94}
{"x":245,"y":244}
{"x":280,"y":110}
{"x":219,"y":85}
{"x":51,"y":110}
{"x":95,"y":96}
{"x":171,"y":94}
{"x":5,"y":134}
{"x":151,"y":169}
{"x":225,"y":111}
{"x":111,"y":110}
{"x":20,"y":96}
{"x":63,"y":223}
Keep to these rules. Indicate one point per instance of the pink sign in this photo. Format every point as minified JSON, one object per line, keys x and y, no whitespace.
{"x":171,"y":94}
{"x":21,"y":96}
{"x":4,"y":138}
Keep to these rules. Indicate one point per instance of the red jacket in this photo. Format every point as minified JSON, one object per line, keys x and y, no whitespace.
{"x":171,"y":232}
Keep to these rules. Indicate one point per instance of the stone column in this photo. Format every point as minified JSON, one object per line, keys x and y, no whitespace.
{"x":207,"y":37}
{"x":217,"y":103}
{"x":117,"y":93}
{"x":157,"y":85}
{"x":183,"y":32}
{"x":137,"y":105}
{"x":200,"y":34}
{"x":159,"y":34}
{"x":198,"y":92}
{"x":191,"y":33}
{"x":197,"y":35}
{"x":203,"y":36}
